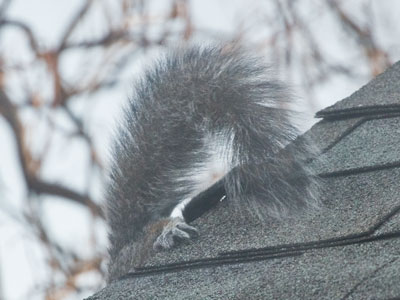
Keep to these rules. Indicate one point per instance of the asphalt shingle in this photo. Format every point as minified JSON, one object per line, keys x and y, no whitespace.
{"x":373,"y":143}
{"x":329,"y":273}
{"x":327,"y":133}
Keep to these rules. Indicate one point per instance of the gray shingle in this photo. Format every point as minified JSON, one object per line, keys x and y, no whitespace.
{"x":392,"y":224}
{"x":380,"y":283}
{"x":373,"y":143}
{"x":326,"y":133}
{"x":319,"y":274}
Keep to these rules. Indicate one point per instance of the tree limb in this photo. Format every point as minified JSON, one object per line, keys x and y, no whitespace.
{"x":37,"y":185}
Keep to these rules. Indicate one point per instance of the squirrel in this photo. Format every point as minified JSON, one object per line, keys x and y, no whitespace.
{"x":199,"y":115}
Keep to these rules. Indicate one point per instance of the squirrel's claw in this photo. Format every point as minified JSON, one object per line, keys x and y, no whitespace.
{"x":175,"y":231}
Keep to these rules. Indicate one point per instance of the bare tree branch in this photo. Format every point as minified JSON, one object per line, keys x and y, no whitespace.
{"x":74,"y":23}
{"x":4,"y":6}
{"x":9,"y":112}
{"x":378,"y":58}
{"x":31,"y":37}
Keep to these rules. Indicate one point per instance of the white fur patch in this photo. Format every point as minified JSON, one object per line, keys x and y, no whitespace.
{"x":202,"y":176}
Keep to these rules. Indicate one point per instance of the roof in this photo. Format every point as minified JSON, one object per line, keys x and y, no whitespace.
{"x":349,"y":249}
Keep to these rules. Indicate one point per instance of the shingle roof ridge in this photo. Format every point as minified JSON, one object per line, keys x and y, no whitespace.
{"x":273,"y":252}
{"x":381,"y":95}
{"x":359,"y":238}
{"x":356,"y":112}
{"x":359,"y":170}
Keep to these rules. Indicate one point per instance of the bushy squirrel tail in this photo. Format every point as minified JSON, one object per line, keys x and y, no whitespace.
{"x":231,"y":95}
{"x":197,"y":104}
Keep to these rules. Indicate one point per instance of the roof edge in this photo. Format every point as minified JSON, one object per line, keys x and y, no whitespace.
{"x":365,"y":111}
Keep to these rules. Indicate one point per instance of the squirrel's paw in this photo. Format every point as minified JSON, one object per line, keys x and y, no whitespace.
{"x":174,"y":232}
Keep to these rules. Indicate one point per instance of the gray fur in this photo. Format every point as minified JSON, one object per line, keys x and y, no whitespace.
{"x":190,"y":94}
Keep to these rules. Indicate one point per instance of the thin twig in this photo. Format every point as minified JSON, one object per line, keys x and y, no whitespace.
{"x":26,"y":29}
{"x":73,"y":23}
{"x":9,"y":112}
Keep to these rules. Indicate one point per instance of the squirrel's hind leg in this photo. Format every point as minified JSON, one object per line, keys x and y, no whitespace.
{"x":202,"y":177}
{"x":175,"y":231}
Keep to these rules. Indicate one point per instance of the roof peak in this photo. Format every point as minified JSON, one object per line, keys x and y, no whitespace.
{"x":380,"y":96}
